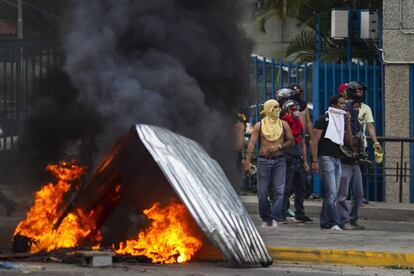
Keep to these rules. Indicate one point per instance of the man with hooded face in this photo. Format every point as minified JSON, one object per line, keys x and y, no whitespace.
{"x":331,"y":131}
{"x":274,"y":136}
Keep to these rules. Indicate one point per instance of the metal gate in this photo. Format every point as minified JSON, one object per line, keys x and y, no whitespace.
{"x":23,"y":66}
{"x":319,"y":82}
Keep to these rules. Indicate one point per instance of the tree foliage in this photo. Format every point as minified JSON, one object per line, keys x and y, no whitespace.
{"x":301,"y":48}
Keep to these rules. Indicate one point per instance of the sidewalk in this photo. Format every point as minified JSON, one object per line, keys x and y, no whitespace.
{"x":387,"y":241}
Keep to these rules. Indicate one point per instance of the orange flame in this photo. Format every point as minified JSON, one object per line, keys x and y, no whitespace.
{"x":47,"y":208}
{"x":168,"y":239}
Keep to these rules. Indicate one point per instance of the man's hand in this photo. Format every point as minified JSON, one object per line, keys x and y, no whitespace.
{"x":306,"y":166}
{"x":272,"y":149}
{"x":347,"y":118}
{"x":315,"y":166}
{"x":377,"y":147}
{"x":248,"y":166}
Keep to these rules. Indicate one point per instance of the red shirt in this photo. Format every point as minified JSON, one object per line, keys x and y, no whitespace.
{"x":295,"y":125}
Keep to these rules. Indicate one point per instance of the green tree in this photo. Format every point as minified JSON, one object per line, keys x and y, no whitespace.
{"x":302,"y":47}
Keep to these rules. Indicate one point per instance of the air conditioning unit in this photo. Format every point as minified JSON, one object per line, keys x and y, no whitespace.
{"x":339,"y":24}
{"x":369,"y":25}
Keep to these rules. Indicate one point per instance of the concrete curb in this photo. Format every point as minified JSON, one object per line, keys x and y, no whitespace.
{"x":369,"y":212}
{"x":348,"y":257}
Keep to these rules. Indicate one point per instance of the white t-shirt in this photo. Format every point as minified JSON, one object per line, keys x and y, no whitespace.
{"x":365,"y":117}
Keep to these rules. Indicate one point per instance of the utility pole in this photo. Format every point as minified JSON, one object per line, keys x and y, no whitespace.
{"x":20,"y":19}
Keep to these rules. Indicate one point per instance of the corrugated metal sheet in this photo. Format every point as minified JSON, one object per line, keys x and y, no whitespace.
{"x":203,"y":187}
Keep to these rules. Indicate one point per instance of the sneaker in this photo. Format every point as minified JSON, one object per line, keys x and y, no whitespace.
{"x":283,"y":221}
{"x":275,"y":224}
{"x":290,"y":213}
{"x":314,"y":196}
{"x":357,"y":225}
{"x":302,"y":219}
{"x":336,"y":228}
{"x":266,"y":224}
{"x":348,"y":226}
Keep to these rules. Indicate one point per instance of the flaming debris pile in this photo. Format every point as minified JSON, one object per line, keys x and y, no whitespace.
{"x":169,"y":238}
{"x":49,"y":205}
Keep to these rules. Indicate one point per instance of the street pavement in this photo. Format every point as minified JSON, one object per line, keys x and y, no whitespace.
{"x":385,"y":243}
{"x":200,"y":269}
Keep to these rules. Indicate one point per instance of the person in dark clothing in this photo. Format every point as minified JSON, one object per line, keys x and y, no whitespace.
{"x":296,"y":163}
{"x":351,"y":171}
{"x":331,"y":130}
{"x":353,"y":104}
{"x":305,"y":118}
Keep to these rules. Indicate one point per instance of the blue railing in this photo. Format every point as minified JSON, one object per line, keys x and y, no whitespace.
{"x":324,"y":78}
{"x":411,"y":132}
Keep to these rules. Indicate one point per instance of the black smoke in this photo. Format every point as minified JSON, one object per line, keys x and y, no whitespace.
{"x":179,"y":64}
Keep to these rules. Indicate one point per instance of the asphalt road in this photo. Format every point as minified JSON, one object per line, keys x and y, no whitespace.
{"x":200,"y":269}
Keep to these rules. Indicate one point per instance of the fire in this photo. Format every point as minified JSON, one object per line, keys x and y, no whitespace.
{"x":168,"y":239}
{"x":48,"y":206}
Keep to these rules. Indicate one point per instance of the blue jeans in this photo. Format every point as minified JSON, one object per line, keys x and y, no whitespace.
{"x":271,"y":176}
{"x":330,"y":171}
{"x":351,"y":174}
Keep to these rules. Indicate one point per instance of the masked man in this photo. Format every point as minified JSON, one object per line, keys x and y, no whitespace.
{"x":331,"y":131}
{"x":274,"y":136}
{"x":296,"y":163}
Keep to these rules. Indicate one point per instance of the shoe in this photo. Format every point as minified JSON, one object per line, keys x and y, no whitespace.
{"x":357,"y":225}
{"x":283,"y":221}
{"x":314,"y":196}
{"x":290,"y":213}
{"x":266,"y":224}
{"x":365,"y":201}
{"x":336,"y":228}
{"x":275,"y":224}
{"x":348,"y":226}
{"x":366,"y":163}
{"x":302,"y":219}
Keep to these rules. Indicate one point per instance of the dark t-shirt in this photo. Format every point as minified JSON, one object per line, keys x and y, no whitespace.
{"x":326,"y":146}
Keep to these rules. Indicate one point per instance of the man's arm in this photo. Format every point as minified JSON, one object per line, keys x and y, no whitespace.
{"x":252,"y":144}
{"x":308,"y":124}
{"x":348,"y":139}
{"x":304,"y":154}
{"x":316,"y":136}
{"x":373,"y":136}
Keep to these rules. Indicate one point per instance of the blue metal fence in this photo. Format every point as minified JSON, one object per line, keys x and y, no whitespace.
{"x":411,"y":132}
{"x":319,"y":82}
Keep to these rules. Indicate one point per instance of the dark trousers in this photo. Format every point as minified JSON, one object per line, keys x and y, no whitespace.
{"x":295,"y":184}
